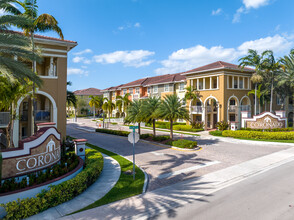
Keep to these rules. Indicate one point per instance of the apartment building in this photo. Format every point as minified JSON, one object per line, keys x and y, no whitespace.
{"x":51,"y":96}
{"x":222,"y":88}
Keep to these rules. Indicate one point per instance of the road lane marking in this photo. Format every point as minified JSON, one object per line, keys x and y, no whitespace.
{"x":157,"y":154}
{"x":166,"y":175}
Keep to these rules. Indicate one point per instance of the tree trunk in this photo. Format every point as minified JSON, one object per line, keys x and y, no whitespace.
{"x":94,"y":113}
{"x":154,"y":131}
{"x":259,"y":107}
{"x":272,"y":91}
{"x":139,"y":128}
{"x":33,"y":125}
{"x":255,"y":104}
{"x":171,"y":130}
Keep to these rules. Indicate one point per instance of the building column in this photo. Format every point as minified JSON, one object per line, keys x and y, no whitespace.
{"x":210,"y":82}
{"x":217,"y":81}
{"x":243,"y":83}
{"x":238,"y":83}
{"x":197,"y":84}
{"x":191,"y":83}
{"x":204,"y":84}
{"x":248,"y":86}
{"x":233,"y":81}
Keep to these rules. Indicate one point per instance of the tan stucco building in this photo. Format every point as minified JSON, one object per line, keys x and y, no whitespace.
{"x":51,"y":96}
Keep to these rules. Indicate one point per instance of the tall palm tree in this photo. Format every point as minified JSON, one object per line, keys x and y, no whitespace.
{"x":259,"y":93}
{"x":271,"y":70}
{"x":253,"y":59}
{"x":71,"y":99}
{"x":149,"y":110}
{"x":134,"y":114}
{"x":256,"y":79}
{"x":108,"y":106}
{"x":191,"y":93}
{"x":40,"y":23}
{"x":171,"y":109}
{"x":287,"y":75}
{"x":122,"y":103}
{"x":95,"y":102}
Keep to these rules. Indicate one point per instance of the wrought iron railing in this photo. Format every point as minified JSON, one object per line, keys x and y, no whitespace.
{"x":42,"y":115}
{"x":245,"y":107}
{"x":233,"y":108}
{"x":196,"y":109}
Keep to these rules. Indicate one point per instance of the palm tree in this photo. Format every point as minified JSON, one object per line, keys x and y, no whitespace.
{"x":149,"y":110}
{"x":108,"y":106}
{"x":40,"y":23}
{"x":95,"y":102}
{"x":10,"y":93}
{"x":256,"y":79}
{"x":191,"y":93}
{"x":287,"y":75}
{"x":253,"y":59}
{"x":171,"y":109}
{"x":122,"y":103}
{"x":271,"y":70}
{"x":259,"y":94}
{"x":134,"y":114}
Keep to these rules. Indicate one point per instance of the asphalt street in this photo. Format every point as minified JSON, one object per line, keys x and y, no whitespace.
{"x":267,"y":196}
{"x":165,"y":166}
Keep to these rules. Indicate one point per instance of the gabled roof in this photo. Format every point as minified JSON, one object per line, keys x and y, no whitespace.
{"x":112,"y":88}
{"x":138,"y":82}
{"x":217,"y":66}
{"x":89,"y":91}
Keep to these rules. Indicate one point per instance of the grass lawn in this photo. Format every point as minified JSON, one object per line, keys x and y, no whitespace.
{"x":177,"y":132}
{"x":125,"y":186}
{"x":218,"y":133}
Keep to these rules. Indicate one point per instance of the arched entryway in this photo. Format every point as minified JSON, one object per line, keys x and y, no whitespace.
{"x":211,"y":112}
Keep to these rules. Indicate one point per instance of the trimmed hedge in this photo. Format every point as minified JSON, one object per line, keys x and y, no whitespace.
{"x":269,"y":130}
{"x":164,"y":125}
{"x":216,"y":133}
{"x":114,"y":132}
{"x":183,"y":143}
{"x":259,"y":135}
{"x":58,"y":194}
{"x":186,"y":128}
{"x":161,"y":138}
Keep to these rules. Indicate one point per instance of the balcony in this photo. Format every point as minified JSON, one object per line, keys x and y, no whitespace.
{"x":42,"y":115}
{"x":245,"y":107}
{"x":196,"y":109}
{"x":4,"y":119}
{"x":233,"y":108}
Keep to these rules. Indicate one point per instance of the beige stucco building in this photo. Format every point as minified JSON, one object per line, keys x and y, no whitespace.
{"x":51,"y":96}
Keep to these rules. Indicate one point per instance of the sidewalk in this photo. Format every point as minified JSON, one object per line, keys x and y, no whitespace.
{"x":170,"y":197}
{"x":106,"y":181}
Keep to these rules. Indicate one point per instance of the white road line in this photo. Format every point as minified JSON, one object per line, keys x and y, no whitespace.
{"x":166,"y":175}
{"x":157,"y":154}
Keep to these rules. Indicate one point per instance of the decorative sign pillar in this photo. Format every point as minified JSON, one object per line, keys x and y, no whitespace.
{"x":281,"y":114}
{"x":266,"y":120}
{"x":244,"y":115}
{"x":46,"y":125}
{"x":80,"y":147}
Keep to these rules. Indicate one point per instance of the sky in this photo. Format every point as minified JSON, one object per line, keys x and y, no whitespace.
{"x":120,"y":41}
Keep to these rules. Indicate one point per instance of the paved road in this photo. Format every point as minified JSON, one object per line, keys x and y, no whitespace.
{"x":266,"y":196}
{"x":166,"y":166}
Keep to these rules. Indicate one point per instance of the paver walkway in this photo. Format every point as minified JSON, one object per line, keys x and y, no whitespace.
{"x":168,"y":198}
{"x":106,"y":181}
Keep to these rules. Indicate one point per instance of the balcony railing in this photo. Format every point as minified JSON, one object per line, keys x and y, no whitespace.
{"x":233,"y":108}
{"x":4,"y":119}
{"x":245,"y":107}
{"x":196,"y":109}
{"x":42,"y":115}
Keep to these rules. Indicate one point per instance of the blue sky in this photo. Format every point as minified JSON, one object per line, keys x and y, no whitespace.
{"x":124,"y":40}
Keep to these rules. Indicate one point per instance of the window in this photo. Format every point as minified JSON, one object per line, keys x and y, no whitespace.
{"x":166,"y":87}
{"x":182,"y":86}
{"x":155,"y":89}
{"x":131,"y":90}
{"x":232,"y":102}
{"x":137,"y":90}
{"x":241,"y":83}
{"x":232,"y":117}
{"x":235,"y":82}
{"x":105,"y":95}
{"x":113,"y":94}
{"x":200,"y":84}
{"x":149,"y":90}
{"x":124,"y":91}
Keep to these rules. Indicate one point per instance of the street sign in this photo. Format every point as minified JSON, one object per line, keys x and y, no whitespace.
{"x":133,"y":127}
{"x":133,"y":138}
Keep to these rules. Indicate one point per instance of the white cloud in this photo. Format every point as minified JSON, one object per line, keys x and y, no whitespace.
{"x":77,"y":71}
{"x":129,"y":26}
{"x":217,"y":11}
{"x":137,"y":25}
{"x":83,"y":52}
{"x":189,"y":58}
{"x":247,"y":5}
{"x":135,"y":58}
{"x":79,"y":59}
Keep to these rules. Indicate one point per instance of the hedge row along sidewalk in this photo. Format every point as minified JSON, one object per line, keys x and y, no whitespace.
{"x":125,"y":186}
{"x":60,"y":193}
{"x":284,"y":137}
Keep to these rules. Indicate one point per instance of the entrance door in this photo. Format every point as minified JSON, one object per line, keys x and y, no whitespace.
{"x":214,"y":120}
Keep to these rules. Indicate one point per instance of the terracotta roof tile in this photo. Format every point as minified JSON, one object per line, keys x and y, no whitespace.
{"x":89,"y":91}
{"x":218,"y":65}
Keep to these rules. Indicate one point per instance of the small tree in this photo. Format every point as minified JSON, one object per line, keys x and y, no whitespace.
{"x":171,"y":109}
{"x":149,"y":111}
{"x":134,"y":114}
{"x":108,"y":106}
{"x":122,"y":103}
{"x":95,"y":102}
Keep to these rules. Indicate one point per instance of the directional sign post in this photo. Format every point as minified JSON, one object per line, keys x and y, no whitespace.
{"x":133,"y":138}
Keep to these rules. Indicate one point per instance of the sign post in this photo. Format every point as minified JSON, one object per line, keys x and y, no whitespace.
{"x":133,"y":138}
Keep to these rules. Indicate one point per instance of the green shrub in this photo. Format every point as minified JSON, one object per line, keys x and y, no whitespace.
{"x":259,"y":135}
{"x":160,"y":138}
{"x":114,"y":132}
{"x":269,"y":130}
{"x":113,"y":123}
{"x":197,"y":124}
{"x":164,"y":125}
{"x":183,"y":143}
{"x":144,"y":136}
{"x":58,"y":194}
{"x":186,"y":128}
{"x":222,"y":125}
{"x":216,"y":133}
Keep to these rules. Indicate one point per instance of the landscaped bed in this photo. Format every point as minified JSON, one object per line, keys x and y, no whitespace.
{"x":60,"y":193}
{"x":272,"y":136}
